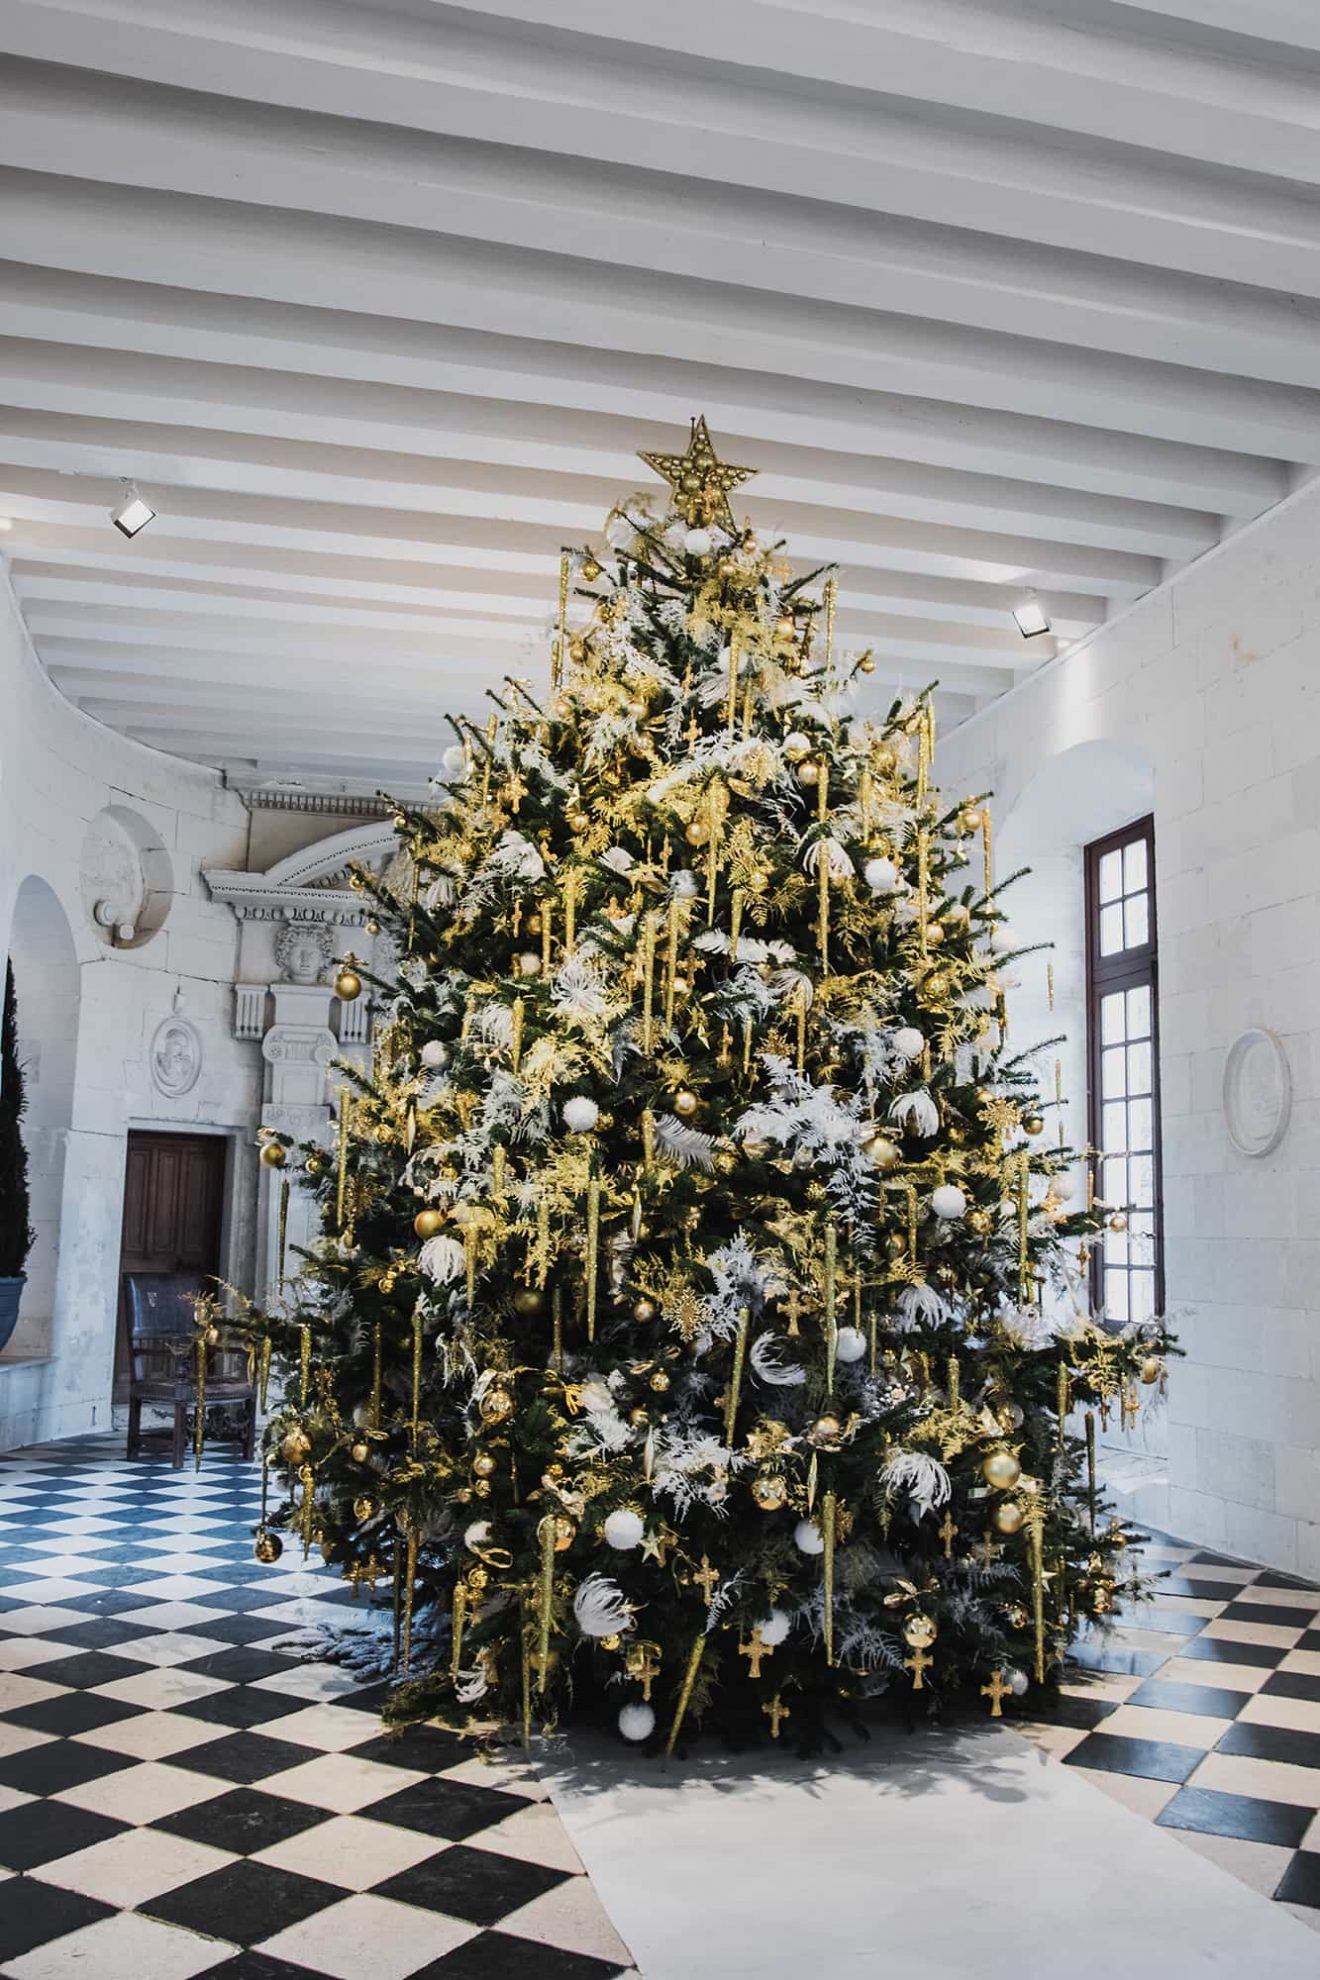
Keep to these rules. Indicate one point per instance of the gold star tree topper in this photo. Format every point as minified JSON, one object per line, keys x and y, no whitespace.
{"x":701,"y":483}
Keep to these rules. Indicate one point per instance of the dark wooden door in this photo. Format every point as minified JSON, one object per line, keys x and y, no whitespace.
{"x":174,"y":1189}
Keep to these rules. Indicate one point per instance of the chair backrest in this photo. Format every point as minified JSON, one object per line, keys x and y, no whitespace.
{"x":161,"y":1323}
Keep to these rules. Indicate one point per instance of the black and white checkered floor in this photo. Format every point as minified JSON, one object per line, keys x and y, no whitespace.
{"x":1200,"y":1710}
{"x":178,"y":1796}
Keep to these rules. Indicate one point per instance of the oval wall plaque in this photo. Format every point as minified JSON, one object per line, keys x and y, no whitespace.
{"x":1257,"y":1091}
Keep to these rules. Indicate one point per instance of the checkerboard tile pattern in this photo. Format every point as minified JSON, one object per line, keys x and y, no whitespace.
{"x":1201,"y":1710}
{"x":180,"y":1794}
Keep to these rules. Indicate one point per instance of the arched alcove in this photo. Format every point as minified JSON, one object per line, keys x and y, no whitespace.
{"x":126,"y":878}
{"x":47,"y":984}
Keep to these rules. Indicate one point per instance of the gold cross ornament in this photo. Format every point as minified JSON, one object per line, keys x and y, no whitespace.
{"x":919,"y":1661}
{"x":947,"y":1531}
{"x":997,"y":1691}
{"x":776,"y":1712}
{"x":705,"y":1579}
{"x":702,"y":484}
{"x":755,"y":1652}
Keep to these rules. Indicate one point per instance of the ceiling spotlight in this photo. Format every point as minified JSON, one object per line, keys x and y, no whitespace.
{"x":132,"y":514}
{"x":1030,"y":617}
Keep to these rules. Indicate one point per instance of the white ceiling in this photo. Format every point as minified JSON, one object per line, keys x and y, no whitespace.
{"x":378,"y":299}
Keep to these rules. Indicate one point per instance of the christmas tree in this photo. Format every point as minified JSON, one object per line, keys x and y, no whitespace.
{"x":677,"y":1349}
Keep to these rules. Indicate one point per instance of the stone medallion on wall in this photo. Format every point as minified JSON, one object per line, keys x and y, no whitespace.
{"x":175,"y":1056}
{"x":1257,"y":1092}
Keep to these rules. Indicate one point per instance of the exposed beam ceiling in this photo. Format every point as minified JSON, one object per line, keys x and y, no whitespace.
{"x":377,"y":299}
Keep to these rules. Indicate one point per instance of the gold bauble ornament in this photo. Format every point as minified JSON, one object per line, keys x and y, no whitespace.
{"x":315,"y":1165}
{"x":1033,"y":1124}
{"x":981,"y":1222}
{"x":865,"y":663}
{"x":590,"y":570}
{"x":808,"y":773}
{"x":896,"y":1244}
{"x":274,"y":1154}
{"x":1002,"y":1470}
{"x":937,"y":986}
{"x":878,"y":1148}
{"x":295,"y":1446}
{"x":770,"y":1491}
{"x":660,"y":1381}
{"x":1008,"y":1516}
{"x":1117,"y":1223}
{"x":638,"y":1416}
{"x":483,"y":1464}
{"x":644,"y":1310}
{"x":577,"y":821}
{"x":427,"y":1222}
{"x":372,"y":926}
{"x":682,"y":988}
{"x":365,"y":1508}
{"x":359,"y":1453}
{"x":481,"y":1487}
{"x":826,"y":1433}
{"x":539,"y":1665}
{"x":268,"y":1547}
{"x":757,"y":880}
{"x":610,"y":1642}
{"x":528,"y":963}
{"x":725,"y":1161}
{"x":795,"y":751}
{"x":355,"y":880}
{"x":969,"y":819}
{"x":1151,"y":1369}
{"x":528,"y":1301}
{"x":533,"y":923}
{"x":565,"y":1532}
{"x":686,"y":1102}
{"x":920,"y":1631}
{"x":212,"y":1337}
{"x":348,"y":984}
{"x":934,"y":935}
{"x":697,"y":833}
{"x":786,"y":627}
{"x":496,"y":1405}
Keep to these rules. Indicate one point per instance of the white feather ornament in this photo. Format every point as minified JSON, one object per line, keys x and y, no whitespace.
{"x":765,"y":1353}
{"x":921,"y":1306}
{"x":687,"y":1146}
{"x":922,"y":1477}
{"x":836,"y":856}
{"x":443,"y":1260}
{"x":599,"y":1607}
{"x":917,"y":1111}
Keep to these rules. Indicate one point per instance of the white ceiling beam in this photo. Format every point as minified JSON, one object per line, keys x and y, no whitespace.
{"x":493,"y":292}
{"x":167,"y":455}
{"x":53,"y":121}
{"x":357,"y":380}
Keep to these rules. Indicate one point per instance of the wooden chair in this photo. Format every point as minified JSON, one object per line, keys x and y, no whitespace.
{"x":162,"y":1345}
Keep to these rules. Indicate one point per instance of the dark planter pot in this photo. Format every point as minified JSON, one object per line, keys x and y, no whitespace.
{"x":11,"y":1291}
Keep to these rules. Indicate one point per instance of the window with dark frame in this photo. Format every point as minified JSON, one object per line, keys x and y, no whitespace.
{"x":1123,"y":1100}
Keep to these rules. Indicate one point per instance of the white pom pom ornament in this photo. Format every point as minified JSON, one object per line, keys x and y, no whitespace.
{"x":477,"y":1535}
{"x":636,"y":1722}
{"x":624,"y":1529}
{"x":1002,"y":938}
{"x":435,"y":1053}
{"x":881,"y":875}
{"x":698,"y":542}
{"x":684,"y":885}
{"x":1017,"y":1682}
{"x":455,"y":760}
{"x":580,"y":1114}
{"x":808,"y":1538}
{"x":948,"y":1201}
{"x":774,"y":1629}
{"x":908,"y":1042}
{"x":849,"y":1344}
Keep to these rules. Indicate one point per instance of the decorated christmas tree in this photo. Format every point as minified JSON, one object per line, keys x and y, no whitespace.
{"x":700,"y":1334}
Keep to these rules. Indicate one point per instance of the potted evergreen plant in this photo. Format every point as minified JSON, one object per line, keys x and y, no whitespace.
{"x":16,"y":1233}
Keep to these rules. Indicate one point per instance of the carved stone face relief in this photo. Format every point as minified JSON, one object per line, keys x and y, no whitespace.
{"x":302,"y":950}
{"x":176,"y":1057}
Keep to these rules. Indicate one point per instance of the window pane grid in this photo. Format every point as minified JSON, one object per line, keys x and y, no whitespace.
{"x":1124,"y":1096}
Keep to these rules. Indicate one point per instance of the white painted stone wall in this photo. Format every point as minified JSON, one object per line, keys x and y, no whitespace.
{"x":58,"y":771}
{"x":1207,"y":696}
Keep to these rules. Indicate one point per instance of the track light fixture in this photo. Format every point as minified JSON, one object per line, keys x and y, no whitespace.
{"x":1031,"y":617}
{"x":132,"y":513}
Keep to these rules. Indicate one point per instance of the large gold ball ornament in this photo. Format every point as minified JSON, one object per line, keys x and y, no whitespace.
{"x":372,"y":926}
{"x":1118,"y":1223}
{"x":1151,"y":1369}
{"x":533,"y":923}
{"x":483,"y":1464}
{"x":896,"y":1244}
{"x":885,"y":1154}
{"x":496,"y":1406}
{"x":295,"y":1446}
{"x":268,"y":1547}
{"x":359,"y":1453}
{"x":590,"y":570}
{"x":1008,"y":1516}
{"x":528,"y":1301}
{"x":1002,"y":1470}
{"x":920,"y":1631}
{"x":577,"y":821}
{"x":427,"y":1222}
{"x":757,"y":880}
{"x":660,"y":1381}
{"x":937,"y":986}
{"x":981,"y":1222}
{"x":274,"y":1154}
{"x":934,"y":935}
{"x":865,"y":663}
{"x":365,"y":1508}
{"x":686,"y":1102}
{"x":808,"y":773}
{"x":315,"y":1164}
{"x":697,"y":833}
{"x":1033,"y":1124}
{"x":565,"y":1532}
{"x":528,"y":963}
{"x":786,"y":627}
{"x":770,"y":1491}
{"x":969,"y":819}
{"x":644,"y":1310}
{"x":826,"y":1433}
{"x":348,"y":984}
